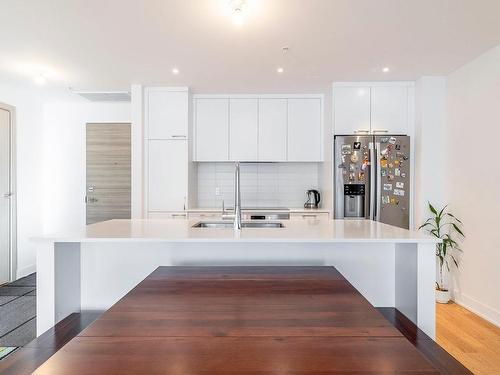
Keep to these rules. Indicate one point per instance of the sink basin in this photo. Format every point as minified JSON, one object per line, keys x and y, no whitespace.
{"x":244,"y":224}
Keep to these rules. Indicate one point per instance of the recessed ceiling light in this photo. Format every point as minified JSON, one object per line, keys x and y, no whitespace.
{"x":237,"y":7}
{"x":280,"y":70}
{"x":175,"y":71}
{"x":40,"y":80}
{"x":385,"y":70}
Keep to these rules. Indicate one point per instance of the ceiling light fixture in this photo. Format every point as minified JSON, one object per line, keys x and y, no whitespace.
{"x":280,"y":70}
{"x":385,"y":70}
{"x":237,"y":7}
{"x":175,"y":71}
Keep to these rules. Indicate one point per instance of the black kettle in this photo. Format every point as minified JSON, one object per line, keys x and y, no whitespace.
{"x":313,"y":199}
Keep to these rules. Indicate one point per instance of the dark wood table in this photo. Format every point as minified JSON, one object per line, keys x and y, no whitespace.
{"x":230,"y":320}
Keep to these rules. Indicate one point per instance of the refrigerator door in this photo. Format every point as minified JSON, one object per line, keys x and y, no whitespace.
{"x":352,"y":176}
{"x":393,"y":177}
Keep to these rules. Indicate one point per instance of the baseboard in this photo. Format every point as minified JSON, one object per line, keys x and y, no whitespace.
{"x":25,"y":271}
{"x":484,"y":311}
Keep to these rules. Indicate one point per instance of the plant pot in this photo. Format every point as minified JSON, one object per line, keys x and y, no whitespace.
{"x":442,"y":296}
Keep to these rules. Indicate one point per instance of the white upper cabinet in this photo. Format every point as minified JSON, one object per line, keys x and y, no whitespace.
{"x":389,"y":112}
{"x":167,"y":113}
{"x":375,"y":108}
{"x":351,"y":110}
{"x":258,"y":128}
{"x":212,"y":129}
{"x":243,"y":129}
{"x":273,"y":129}
{"x":167,"y":175}
{"x":304,"y":130}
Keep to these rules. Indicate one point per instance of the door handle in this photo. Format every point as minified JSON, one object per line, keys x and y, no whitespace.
{"x":90,"y":199}
{"x":7,"y":195}
{"x":178,"y":136}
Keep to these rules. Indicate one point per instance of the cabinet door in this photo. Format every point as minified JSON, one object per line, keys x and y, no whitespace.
{"x":212,"y":130}
{"x":167,"y":174}
{"x":304,"y":130}
{"x":389,"y":110}
{"x":272,"y":129}
{"x":351,"y":110}
{"x":243,"y":129}
{"x":167,"y":114}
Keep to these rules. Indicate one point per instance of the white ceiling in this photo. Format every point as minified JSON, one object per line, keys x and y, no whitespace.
{"x":108,"y":44}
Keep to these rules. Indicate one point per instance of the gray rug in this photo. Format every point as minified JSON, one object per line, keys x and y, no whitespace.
{"x":17,"y":313}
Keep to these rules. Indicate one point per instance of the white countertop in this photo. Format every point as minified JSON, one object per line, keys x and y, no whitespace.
{"x":178,"y":230}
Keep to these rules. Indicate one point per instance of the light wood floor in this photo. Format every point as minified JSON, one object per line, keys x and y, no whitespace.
{"x":470,"y":339}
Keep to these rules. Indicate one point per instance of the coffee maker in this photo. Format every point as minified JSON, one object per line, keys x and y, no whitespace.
{"x":313,"y":198}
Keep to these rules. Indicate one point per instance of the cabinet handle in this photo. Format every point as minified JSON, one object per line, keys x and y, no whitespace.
{"x":178,"y":136}
{"x":306,"y":216}
{"x":361,"y":131}
{"x":178,"y":215}
{"x":380,"y":131}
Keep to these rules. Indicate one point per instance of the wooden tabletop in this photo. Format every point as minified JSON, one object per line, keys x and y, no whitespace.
{"x":230,"y":320}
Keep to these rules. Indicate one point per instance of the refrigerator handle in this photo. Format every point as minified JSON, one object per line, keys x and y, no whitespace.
{"x":379,"y":188}
{"x":372,"y":180}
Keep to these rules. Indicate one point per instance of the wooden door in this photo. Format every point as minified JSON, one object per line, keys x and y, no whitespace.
{"x":108,"y":172}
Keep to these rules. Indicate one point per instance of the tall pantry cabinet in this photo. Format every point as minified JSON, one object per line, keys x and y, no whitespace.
{"x":167,"y":150}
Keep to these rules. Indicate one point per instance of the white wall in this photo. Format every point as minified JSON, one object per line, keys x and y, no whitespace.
{"x":29,"y":127}
{"x":473,"y":172}
{"x":64,"y":158}
{"x":430,"y":140}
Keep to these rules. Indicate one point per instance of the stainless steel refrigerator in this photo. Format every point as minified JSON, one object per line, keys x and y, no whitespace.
{"x":372,"y":178}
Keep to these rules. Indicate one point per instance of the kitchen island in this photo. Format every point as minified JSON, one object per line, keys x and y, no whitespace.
{"x":93,"y":268}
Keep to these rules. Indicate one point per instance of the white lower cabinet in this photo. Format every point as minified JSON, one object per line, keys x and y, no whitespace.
{"x":167,"y":215}
{"x":310,"y":215}
{"x":167,"y":175}
{"x":207,"y":215}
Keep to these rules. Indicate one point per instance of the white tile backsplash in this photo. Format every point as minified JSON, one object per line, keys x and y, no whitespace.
{"x":262,"y":184}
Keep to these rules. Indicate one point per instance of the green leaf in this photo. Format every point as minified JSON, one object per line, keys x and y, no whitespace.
{"x":457,"y":229}
{"x":424,"y":225}
{"x":433,"y":210}
{"x":453,"y":217}
{"x":442,"y":210}
{"x":454,"y":261}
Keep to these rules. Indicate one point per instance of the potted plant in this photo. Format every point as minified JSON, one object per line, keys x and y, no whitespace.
{"x":443,"y":225}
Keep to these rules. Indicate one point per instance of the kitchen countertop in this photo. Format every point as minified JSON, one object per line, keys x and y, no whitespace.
{"x":179,"y":230}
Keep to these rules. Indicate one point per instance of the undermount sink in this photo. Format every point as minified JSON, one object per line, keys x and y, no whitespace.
{"x":244,"y":224}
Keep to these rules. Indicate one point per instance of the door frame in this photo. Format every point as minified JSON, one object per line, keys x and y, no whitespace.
{"x":13,"y":191}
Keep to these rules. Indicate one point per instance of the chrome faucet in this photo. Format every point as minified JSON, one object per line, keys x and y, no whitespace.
{"x":237,"y":197}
